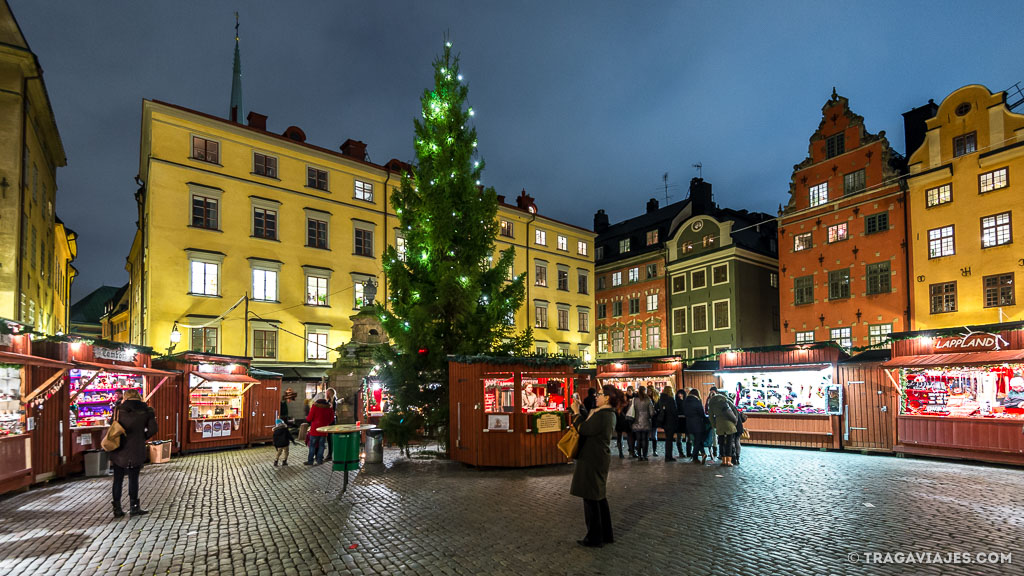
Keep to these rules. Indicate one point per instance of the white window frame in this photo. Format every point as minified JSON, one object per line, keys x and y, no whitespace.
{"x":540,"y":314}
{"x":207,"y":259}
{"x":653,"y":336}
{"x":563,"y":243}
{"x":818,"y":194}
{"x":994,"y":180}
{"x":602,"y":343}
{"x":507,"y":226}
{"x":652,"y":302}
{"x":939,"y":195}
{"x":693,"y":316}
{"x":878,"y":333}
{"x":265,"y":276}
{"x":209,"y":193}
{"x":636,"y":338}
{"x":623,"y":245}
{"x":990,"y":235}
{"x":267,"y":172}
{"x":699,"y":351}
{"x":256,"y":325}
{"x":317,"y":342}
{"x":327,"y":178}
{"x":400,"y":245}
{"x":798,"y":247}
{"x":581,"y":248}
{"x":728,"y":314}
{"x":803,"y":338}
{"x":317,"y":273}
{"x":845,"y":337}
{"x":357,"y":288}
{"x":540,"y":278}
{"x":723,"y":265}
{"x":693,"y":285}
{"x":939,"y":239}
{"x":686,"y":319}
{"x":621,"y":341}
{"x":634,"y":274}
{"x":617,"y":278}
{"x":362,"y":190}
{"x":540,"y":237}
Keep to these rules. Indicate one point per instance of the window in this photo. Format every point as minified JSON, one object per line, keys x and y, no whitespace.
{"x":999,"y":290}
{"x":602,"y":343}
{"x":541,"y":348}
{"x":600,"y":253}
{"x":540,"y":315}
{"x":876,"y":223}
{"x":940,"y":242}
{"x":264,"y":223}
{"x":839,"y":284}
{"x":698,"y":279}
{"x":699,"y":352}
{"x":616,"y":278}
{"x":204,"y":278}
{"x":835,"y":145}
{"x":316,"y":344}
{"x":994,"y":180}
{"x":878,"y":334}
{"x":363,"y":245}
{"x":837,"y":232}
{"x":617,"y":341}
{"x":634,"y":305}
{"x":583,"y":282}
{"x":679,"y":321}
{"x":363,"y":191}
{"x":773,"y":279}
{"x":264,"y":165}
{"x":316,"y":290}
{"x":316,"y":233}
{"x":719,"y":274}
{"x":205,"y":150}
{"x":617,"y":308}
{"x":540,"y":274}
{"x":802,"y":242}
{"x":996,"y":230}
{"x":563,"y":318}
{"x":602,"y":311}
{"x":652,"y":302}
{"x":819,"y":194}
{"x":965,"y":144}
{"x":654,"y":336}
{"x":943,"y":297}
{"x":264,"y":284}
{"x":563,"y":243}
{"x":938,"y":195}
{"x":563,"y":348}
{"x":581,"y":248}
{"x":204,"y":212}
{"x":679,"y":283}
{"x":540,"y":237}
{"x":720,"y":310}
{"x":601,"y":282}
{"x":507,"y":229}
{"x":204,"y":340}
{"x":699,"y":317}
{"x":583,"y":316}
{"x":634,"y":274}
{"x":563,"y":280}
{"x":842,"y":336}
{"x":401,"y":249}
{"x":803,"y":290}
{"x":853,"y":182}
{"x":623,"y":245}
{"x":652,"y":237}
{"x":879,"y":278}
{"x":805,"y":337}
{"x":264,"y":343}
{"x":316,"y":178}
{"x":652,"y":271}
{"x":636,"y":341}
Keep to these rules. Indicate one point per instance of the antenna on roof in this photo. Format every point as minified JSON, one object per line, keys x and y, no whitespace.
{"x":699,"y":167}
{"x":664,"y":178}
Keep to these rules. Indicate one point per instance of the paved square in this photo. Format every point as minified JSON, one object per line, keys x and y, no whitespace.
{"x":782,"y":512}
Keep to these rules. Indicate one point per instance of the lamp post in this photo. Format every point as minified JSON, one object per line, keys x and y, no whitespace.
{"x":175,"y":338}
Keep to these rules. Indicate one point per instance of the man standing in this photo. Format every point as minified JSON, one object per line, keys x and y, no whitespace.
{"x":332,"y":400}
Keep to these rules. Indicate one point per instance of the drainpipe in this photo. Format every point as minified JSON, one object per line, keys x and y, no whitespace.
{"x":21,"y":191}
{"x":906,"y":251}
{"x":384,"y":283}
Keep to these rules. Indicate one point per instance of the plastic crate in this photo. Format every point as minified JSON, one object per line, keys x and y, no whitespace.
{"x":159,"y":452}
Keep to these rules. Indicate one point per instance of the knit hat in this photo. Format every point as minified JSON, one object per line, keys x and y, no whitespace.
{"x":278,"y":422}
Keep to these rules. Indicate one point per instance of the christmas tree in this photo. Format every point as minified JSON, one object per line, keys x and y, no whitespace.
{"x":448,"y":291}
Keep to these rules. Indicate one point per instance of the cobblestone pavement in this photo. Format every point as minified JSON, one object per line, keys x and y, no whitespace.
{"x":791,"y":512}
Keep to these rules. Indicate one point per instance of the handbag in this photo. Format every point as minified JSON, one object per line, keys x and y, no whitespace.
{"x":112,"y":439}
{"x":631,"y":413}
{"x":745,"y":434}
{"x":570,"y":443}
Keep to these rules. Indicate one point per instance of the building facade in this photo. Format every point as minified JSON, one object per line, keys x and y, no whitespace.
{"x":722,"y":274}
{"x":842,"y":237}
{"x":964,"y":197}
{"x":65,"y":248}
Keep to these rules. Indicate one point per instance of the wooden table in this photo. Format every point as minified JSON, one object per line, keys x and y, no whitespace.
{"x":347,"y":430}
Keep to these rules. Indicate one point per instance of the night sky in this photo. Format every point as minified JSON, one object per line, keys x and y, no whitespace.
{"x":583,"y":104}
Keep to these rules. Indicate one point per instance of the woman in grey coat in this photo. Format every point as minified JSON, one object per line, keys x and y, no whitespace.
{"x":590,"y":478}
{"x":643,"y":412}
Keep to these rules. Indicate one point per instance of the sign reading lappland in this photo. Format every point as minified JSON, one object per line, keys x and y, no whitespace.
{"x":548,"y":423}
{"x":117,"y":354}
{"x":971,"y":342}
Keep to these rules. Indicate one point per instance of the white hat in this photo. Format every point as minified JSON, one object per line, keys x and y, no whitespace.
{"x":319,"y":396}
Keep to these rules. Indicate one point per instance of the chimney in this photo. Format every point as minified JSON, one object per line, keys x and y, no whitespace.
{"x":915,"y":127}
{"x":525,"y":202}
{"x":700,"y":196}
{"x":501,"y":198}
{"x":600,"y":221}
{"x":256,"y":120}
{"x":354,"y":149}
{"x":652,"y":205}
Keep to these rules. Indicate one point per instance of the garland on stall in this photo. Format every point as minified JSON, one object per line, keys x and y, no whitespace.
{"x":536,"y":360}
{"x":533,"y":417}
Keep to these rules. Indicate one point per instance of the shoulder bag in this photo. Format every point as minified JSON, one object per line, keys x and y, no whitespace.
{"x":570,"y":443}
{"x":631,"y":412}
{"x":112,"y":439}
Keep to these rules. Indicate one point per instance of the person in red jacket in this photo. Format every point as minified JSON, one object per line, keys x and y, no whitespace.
{"x":320,"y":414}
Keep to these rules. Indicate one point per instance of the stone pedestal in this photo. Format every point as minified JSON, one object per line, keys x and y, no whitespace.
{"x":355,"y":362}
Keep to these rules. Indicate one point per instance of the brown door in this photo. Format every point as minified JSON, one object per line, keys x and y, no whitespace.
{"x":869,"y":415}
{"x":265,"y":403}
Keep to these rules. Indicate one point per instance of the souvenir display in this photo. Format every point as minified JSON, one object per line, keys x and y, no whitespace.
{"x":97,"y":394}
{"x":787,"y":392}
{"x":11,"y":412}
{"x":982,"y":391}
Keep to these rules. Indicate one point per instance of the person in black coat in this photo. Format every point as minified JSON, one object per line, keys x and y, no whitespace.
{"x":282,"y":437}
{"x":693,"y":411}
{"x":680,"y":422}
{"x":590,"y":402}
{"x":139,"y":422}
{"x":666,"y":409}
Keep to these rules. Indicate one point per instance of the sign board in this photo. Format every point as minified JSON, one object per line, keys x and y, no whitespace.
{"x":497,"y":421}
{"x":972,"y":342}
{"x":116,"y":354}
{"x":548,"y":423}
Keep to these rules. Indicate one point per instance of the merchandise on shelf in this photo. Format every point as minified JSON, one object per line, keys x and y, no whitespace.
{"x":12,"y":420}
{"x":539,"y":394}
{"x":981,"y":392}
{"x":215,"y":400}
{"x":786,"y":392}
{"x":95,"y":405}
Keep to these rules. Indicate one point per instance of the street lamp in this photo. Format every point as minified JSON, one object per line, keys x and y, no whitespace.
{"x":175,"y":338}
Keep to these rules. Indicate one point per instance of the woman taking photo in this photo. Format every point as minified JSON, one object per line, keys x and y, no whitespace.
{"x":590,"y":478}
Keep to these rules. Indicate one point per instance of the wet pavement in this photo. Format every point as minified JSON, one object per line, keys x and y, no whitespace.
{"x":782,"y":512}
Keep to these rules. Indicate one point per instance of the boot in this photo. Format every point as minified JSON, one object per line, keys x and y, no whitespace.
{"x":136,"y":509}
{"x":118,"y":512}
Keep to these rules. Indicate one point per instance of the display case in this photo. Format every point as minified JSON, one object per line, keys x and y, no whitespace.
{"x":787,"y":392}
{"x":12,"y":417}
{"x":215,"y":408}
{"x":966,"y":392}
{"x":95,"y":393}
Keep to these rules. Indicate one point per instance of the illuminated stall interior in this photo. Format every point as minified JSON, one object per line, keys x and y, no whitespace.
{"x":965,"y":391}
{"x":798,"y":391}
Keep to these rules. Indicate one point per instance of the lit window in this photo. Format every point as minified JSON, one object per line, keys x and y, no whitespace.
{"x":507,"y":229}
{"x":616,"y":278}
{"x":842,"y":336}
{"x":264,"y":284}
{"x":316,"y":344}
{"x":400,"y":246}
{"x":635,"y":339}
{"x":316,"y":290}
{"x":623,"y":245}
{"x":943,"y":297}
{"x":540,"y":276}
{"x":602,"y":343}
{"x":938,"y":195}
{"x":805,"y":337}
{"x":652,"y":302}
{"x":837,"y":232}
{"x":819,"y":194}
{"x":652,"y":237}
{"x":940,"y":242}
{"x":634,"y":274}
{"x":994,"y":180}
{"x":204,"y":278}
{"x":617,"y":341}
{"x":654,"y":336}
{"x":541,"y":316}
{"x":995,"y":230}
{"x":264,"y":165}
{"x":802,"y":242}
{"x":540,"y":237}
{"x":878,"y":334}
{"x":773,"y":279}
{"x":363,"y":191}
{"x":581,"y":248}
{"x":563,"y":243}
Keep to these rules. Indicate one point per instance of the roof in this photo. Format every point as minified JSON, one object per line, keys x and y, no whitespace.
{"x":661,"y":219}
{"x":89,"y":309}
{"x":956,"y":359}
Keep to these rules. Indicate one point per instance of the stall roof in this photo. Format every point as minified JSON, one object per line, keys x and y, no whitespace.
{"x":787,"y":368}
{"x":960,"y":359}
{"x":213,"y":377}
{"x":294,"y":373}
{"x":139,"y":370}
{"x":25,"y":359}
{"x":644,"y":374}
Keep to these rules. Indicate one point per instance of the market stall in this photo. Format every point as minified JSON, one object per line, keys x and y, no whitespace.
{"x":624,"y":375}
{"x":790,"y":394}
{"x":509,"y":412}
{"x":962,"y":392}
{"x":374,"y":400}
{"x":870,"y":402}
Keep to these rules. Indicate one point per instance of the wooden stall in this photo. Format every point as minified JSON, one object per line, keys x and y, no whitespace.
{"x":508,"y":412}
{"x":870,"y":403}
{"x":962,"y":392}
{"x":655,"y":373}
{"x":264,"y":404}
{"x":701,"y":375}
{"x":790,"y":394}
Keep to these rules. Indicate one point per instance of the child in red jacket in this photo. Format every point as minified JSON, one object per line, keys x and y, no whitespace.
{"x":320,"y":414}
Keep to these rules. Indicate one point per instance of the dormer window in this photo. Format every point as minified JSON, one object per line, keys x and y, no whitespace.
{"x":835,"y":145}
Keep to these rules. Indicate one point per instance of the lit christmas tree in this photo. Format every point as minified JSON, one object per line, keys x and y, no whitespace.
{"x":448,"y":292}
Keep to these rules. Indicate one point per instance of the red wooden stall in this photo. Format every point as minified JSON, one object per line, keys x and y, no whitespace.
{"x":264,"y":406}
{"x":645,"y":373}
{"x":870,"y":403}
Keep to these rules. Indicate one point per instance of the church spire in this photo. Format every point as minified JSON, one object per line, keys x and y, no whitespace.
{"x":236,"y":81}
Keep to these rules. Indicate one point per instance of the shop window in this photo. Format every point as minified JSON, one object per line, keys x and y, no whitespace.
{"x":316,"y":291}
{"x":507,"y":229}
{"x":499,"y":398}
{"x":679,"y":283}
{"x":540,"y":237}
{"x":581,"y":248}
{"x":938,"y":195}
{"x":652,"y":237}
{"x":996,"y":230}
{"x":679,"y":321}
{"x":204,"y":340}
{"x":878,"y":334}
{"x":805,"y":337}
{"x":602,"y":311}
{"x":837,"y":232}
{"x":999,"y":290}
{"x":623,"y":245}
{"x":879,"y":278}
{"x":839,"y":284}
{"x":853,"y":182}
{"x":835,"y":145}
{"x":362,"y":191}
{"x":540,"y":274}
{"x":316,"y":233}
{"x":316,"y":178}
{"x":617,"y":308}
{"x":993,"y":180}
{"x":264,"y":223}
{"x":720,"y":310}
{"x":264,"y":344}
{"x":94,"y":405}
{"x":802,"y":242}
{"x":874,"y":223}
{"x":205,"y":150}
{"x":803,"y":290}
{"x":205,"y":212}
{"x":635,"y":339}
{"x":652,"y":302}
{"x":965,"y":144}
{"x":634,"y":305}
{"x":699,"y":317}
{"x":562,"y":243}
{"x":634,"y":274}
{"x":940,"y":242}
{"x":540,"y":316}
{"x":563,"y":318}
{"x":653,"y":337}
{"x":264,"y":284}
{"x":616,"y":279}
{"x":805,"y":391}
{"x":842,"y":336}
{"x":584,"y":320}
{"x":698,"y":279}
{"x":719,"y":274}
{"x":316,"y":344}
{"x":583,"y":281}
{"x":617,"y":341}
{"x":205,"y":278}
{"x":602,"y":343}
{"x":943,"y":297}
{"x":563,"y":280}
{"x":964,"y":392}
{"x":818,"y":194}
{"x":652,"y":271}
{"x":363,"y":242}
{"x":264,"y":165}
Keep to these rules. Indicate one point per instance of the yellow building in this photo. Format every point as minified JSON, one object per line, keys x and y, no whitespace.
{"x":965,"y":213}
{"x":30,"y":153}
{"x":115,"y":319}
{"x":558,"y":260}
{"x":65,"y":246}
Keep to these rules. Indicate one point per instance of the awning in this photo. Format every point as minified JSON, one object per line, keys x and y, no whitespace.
{"x":118,"y":369}
{"x":213,"y":377}
{"x":26,"y":360}
{"x":786,"y":368}
{"x":957,"y":359}
{"x":647,"y":374}
{"x":295,"y":373}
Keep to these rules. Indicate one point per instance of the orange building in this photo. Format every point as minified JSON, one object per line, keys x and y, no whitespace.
{"x":842,"y":237}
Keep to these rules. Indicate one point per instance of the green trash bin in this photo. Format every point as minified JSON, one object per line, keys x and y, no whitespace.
{"x":345,"y":451}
